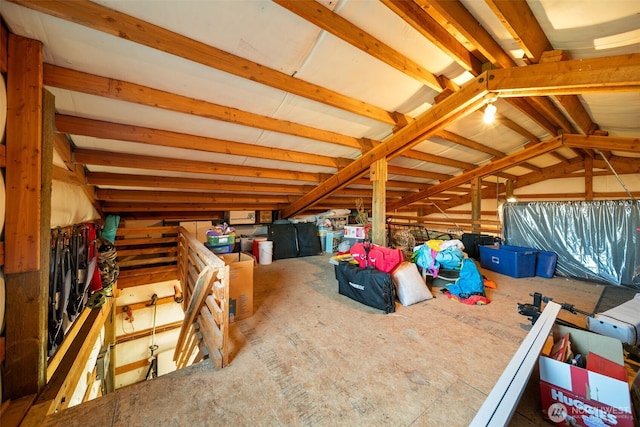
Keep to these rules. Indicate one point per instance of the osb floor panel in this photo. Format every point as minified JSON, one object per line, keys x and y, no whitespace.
{"x":311,"y":357}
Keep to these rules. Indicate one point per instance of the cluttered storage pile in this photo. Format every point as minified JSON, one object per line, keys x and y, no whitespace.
{"x":375,"y":275}
{"x":447,"y":261}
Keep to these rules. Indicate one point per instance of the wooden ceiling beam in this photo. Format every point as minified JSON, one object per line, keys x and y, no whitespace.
{"x":454,"y":17}
{"x":393,"y":183}
{"x":123,"y":207}
{"x":417,"y":173}
{"x":118,"y":24}
{"x":76,"y":172}
{"x":465,"y":27}
{"x":108,"y":130}
{"x":153,"y":197}
{"x":510,"y":124}
{"x":488,"y":169}
{"x":552,"y":112}
{"x":619,"y":73}
{"x":559,"y":170}
{"x":61,"y":174}
{"x":518,"y":19}
{"x":366,"y":192}
{"x":594,"y":142}
{"x":622,"y":166}
{"x":438,"y":160}
{"x":577,"y":112}
{"x":469,"y":98}
{"x":335,"y":24}
{"x":125,"y":160}
{"x":466,"y":142}
{"x":528,"y":108}
{"x":210,"y":215}
{"x":170,"y":182}
{"x":120,"y":90}
{"x":430,"y":29}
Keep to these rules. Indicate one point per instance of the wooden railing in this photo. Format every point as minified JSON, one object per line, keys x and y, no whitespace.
{"x":65,"y":369}
{"x":145,"y":256}
{"x":205,"y":329}
{"x":450,"y":225}
{"x":155,"y":254}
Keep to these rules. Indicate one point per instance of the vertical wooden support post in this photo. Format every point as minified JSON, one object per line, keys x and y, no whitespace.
{"x":30,"y":124}
{"x":476,"y":204}
{"x":378,"y":175}
{"x":509,"y":190}
{"x":4,"y":45}
{"x":588,"y":178}
{"x":110,"y":344}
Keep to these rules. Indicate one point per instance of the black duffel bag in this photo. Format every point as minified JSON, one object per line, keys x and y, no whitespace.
{"x":366,"y":285}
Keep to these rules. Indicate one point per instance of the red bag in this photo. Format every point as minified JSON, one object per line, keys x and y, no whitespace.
{"x":379,"y":257}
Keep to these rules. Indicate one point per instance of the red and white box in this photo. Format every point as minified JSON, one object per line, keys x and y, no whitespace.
{"x":354,"y":232}
{"x":597,"y":395}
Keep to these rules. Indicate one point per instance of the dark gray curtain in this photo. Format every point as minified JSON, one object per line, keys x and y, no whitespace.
{"x":594,"y":240}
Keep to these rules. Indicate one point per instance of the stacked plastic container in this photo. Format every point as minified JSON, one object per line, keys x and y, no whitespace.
{"x":518,"y":261}
{"x":221,"y":239}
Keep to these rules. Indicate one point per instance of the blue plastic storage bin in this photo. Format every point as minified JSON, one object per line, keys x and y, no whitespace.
{"x":514,"y":261}
{"x":546,"y":263}
{"x":219,"y":249}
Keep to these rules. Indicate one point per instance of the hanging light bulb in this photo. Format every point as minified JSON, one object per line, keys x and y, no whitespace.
{"x":489,"y":112}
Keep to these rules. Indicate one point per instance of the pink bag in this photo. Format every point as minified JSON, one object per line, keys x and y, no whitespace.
{"x":379,"y":257}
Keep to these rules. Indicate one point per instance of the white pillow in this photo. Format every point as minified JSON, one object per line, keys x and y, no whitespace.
{"x":410,"y":287}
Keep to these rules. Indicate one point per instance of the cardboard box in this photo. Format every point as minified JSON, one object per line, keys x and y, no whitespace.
{"x":354,"y":232}
{"x":266,"y":217}
{"x":570,"y":394}
{"x":241,"y":217}
{"x":514,"y":261}
{"x":635,"y":394}
{"x":197,"y":229}
{"x":241,"y":266}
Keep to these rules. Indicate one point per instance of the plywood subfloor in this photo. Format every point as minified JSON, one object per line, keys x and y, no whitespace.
{"x":311,"y":357}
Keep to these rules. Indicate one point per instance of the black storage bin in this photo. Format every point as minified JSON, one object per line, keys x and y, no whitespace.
{"x":471,"y":241}
{"x":308,"y":239}
{"x":285,"y":241}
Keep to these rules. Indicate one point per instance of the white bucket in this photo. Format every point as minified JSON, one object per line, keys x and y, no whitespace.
{"x":265,"y":249}
{"x":246,"y":244}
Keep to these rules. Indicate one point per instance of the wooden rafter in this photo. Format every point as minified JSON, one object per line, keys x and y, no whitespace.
{"x":333,"y":23}
{"x":152,"y":181}
{"x":490,"y":168}
{"x":434,"y":32}
{"x":121,"y":25}
{"x":466,"y":100}
{"x":107,"y":130}
{"x":65,"y":78}
{"x":517,"y":17}
{"x":153,"y":197}
{"x":106,"y":158}
{"x":455,"y":17}
{"x":619,"y":73}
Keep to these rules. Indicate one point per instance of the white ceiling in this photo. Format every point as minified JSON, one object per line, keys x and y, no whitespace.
{"x":266,"y":33}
